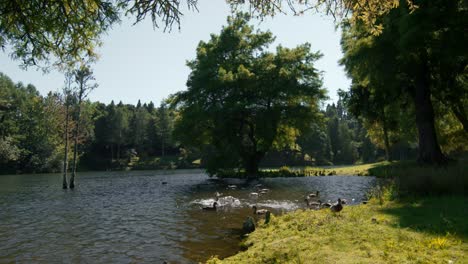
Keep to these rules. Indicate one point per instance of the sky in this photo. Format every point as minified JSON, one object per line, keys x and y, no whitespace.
{"x":139,"y":62}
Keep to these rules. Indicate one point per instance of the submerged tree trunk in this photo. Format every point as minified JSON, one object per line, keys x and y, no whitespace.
{"x":429,"y":149}
{"x":75,"y":147}
{"x":65,"y":158}
{"x":76,"y":134}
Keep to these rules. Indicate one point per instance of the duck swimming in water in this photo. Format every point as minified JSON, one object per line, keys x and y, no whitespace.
{"x":337,"y":207}
{"x":210,"y":208}
{"x":313,"y":195}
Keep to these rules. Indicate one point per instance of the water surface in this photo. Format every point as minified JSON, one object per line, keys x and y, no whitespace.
{"x":144,"y":216}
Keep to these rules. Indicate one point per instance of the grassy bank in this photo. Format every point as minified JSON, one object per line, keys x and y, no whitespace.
{"x":360,"y":170}
{"x":426,"y":230}
{"x":419,"y":217}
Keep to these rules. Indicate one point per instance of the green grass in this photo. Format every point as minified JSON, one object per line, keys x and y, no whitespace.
{"x":360,"y":170}
{"x":166,"y":162}
{"x":419,"y":217}
{"x":426,"y":230}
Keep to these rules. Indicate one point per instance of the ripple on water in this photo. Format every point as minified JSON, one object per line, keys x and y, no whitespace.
{"x":123,"y":217}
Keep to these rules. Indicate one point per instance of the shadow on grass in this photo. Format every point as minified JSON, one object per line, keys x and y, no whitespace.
{"x":411,"y":178}
{"x":434,"y":215}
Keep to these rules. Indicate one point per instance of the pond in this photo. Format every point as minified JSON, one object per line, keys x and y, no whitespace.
{"x":144,"y":216}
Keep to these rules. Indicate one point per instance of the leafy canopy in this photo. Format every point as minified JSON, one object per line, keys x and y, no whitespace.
{"x":61,"y":33}
{"x":243,"y":100}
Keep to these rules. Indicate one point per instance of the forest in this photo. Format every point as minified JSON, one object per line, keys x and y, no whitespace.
{"x":123,"y":136}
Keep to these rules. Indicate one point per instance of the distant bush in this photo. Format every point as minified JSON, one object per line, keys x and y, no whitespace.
{"x":284,"y":169}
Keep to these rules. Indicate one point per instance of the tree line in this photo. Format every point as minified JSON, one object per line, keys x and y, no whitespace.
{"x":35,"y":132}
{"x":38,"y":132}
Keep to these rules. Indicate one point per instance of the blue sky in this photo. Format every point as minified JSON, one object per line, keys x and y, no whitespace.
{"x":140,"y":62}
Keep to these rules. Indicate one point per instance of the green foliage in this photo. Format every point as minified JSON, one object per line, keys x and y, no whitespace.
{"x":8,"y":150}
{"x":243,"y":100}
{"x":68,"y":32}
{"x":417,"y":54}
{"x":29,"y":130}
{"x":130,"y":137}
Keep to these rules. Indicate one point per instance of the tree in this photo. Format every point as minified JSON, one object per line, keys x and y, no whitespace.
{"x":316,"y":143}
{"x":164,"y":126}
{"x":243,"y":100}
{"x":83,"y":77}
{"x":29,"y":129}
{"x":67,"y":101}
{"x":407,"y":61}
{"x":62,"y":33}
{"x":139,"y":122}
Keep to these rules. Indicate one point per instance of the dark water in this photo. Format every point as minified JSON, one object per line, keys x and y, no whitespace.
{"x":133,"y":217}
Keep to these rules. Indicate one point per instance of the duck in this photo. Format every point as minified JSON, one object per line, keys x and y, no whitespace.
{"x":210,"y":208}
{"x":232,"y":186}
{"x":313,"y":205}
{"x":255,"y":194}
{"x":259,"y":211}
{"x":313,"y":195}
{"x":324,"y":205}
{"x":337,"y":207}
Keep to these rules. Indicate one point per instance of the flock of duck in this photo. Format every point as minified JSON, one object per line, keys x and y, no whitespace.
{"x":336,"y":207}
{"x":311,"y":201}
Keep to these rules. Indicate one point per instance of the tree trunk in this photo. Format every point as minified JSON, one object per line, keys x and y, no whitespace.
{"x":162,"y":146}
{"x":429,"y":149}
{"x":76,"y":134}
{"x":112,"y":154}
{"x":75,"y":148}
{"x":65,"y":158}
{"x":386,"y":140}
{"x":118,"y":153}
{"x":75,"y":152}
{"x":252,"y":164}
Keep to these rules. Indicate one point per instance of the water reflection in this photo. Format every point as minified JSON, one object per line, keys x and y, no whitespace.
{"x":123,"y":217}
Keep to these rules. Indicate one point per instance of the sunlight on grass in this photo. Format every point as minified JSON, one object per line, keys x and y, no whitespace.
{"x":371,"y":233}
